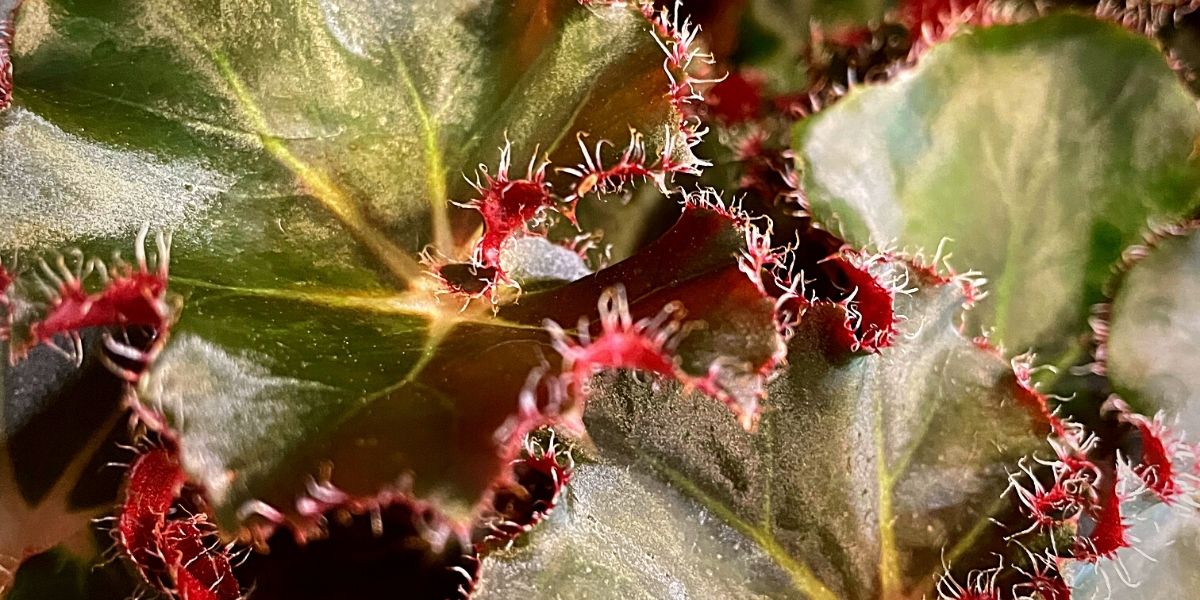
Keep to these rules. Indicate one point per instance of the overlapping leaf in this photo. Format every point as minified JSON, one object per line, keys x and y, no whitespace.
{"x":303,"y":153}
{"x":374,"y":421}
{"x":1040,"y":150}
{"x":866,"y":467}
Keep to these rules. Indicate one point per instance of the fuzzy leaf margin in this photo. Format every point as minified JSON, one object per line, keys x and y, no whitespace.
{"x":866,"y":467}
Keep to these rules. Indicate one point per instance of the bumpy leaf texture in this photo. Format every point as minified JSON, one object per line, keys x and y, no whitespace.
{"x":623,"y":532}
{"x":1034,"y":152}
{"x":309,"y":360}
{"x":318,"y":174}
{"x":866,"y":466}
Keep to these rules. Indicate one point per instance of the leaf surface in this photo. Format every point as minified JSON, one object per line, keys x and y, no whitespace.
{"x":865,"y":467}
{"x":1153,"y":332}
{"x":595,"y":546}
{"x":1039,"y":150}
{"x":303,"y":154}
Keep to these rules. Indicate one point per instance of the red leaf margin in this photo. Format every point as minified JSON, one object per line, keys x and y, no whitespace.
{"x":7,"y":26}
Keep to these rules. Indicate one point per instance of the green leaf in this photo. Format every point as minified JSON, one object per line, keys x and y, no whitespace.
{"x":381,"y":389}
{"x":303,"y":153}
{"x":372,"y":112}
{"x":865,"y":468}
{"x":73,"y":572}
{"x":1152,"y":351}
{"x":597,"y":545}
{"x":1039,"y":149}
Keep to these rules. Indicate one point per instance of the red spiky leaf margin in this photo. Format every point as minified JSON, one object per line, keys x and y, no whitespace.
{"x":1040,"y":578}
{"x":814,"y":267}
{"x":396,"y":543}
{"x":538,"y":479}
{"x":512,"y":207}
{"x":200,"y":573}
{"x":507,"y":205}
{"x":1145,"y":17}
{"x":171,"y":549}
{"x":360,"y":547}
{"x":933,"y":21}
{"x":154,"y":481}
{"x":633,"y":165}
{"x":1043,"y":577}
{"x":401,"y":544}
{"x":1161,"y":450}
{"x":1068,"y":493}
{"x":683,"y":56}
{"x":698,"y":266}
{"x":647,"y":345}
{"x":1037,"y":402}
{"x":871,"y":316}
{"x":7,"y":24}
{"x":980,"y":585}
{"x":685,"y":65}
{"x":1109,"y":528}
{"x":128,"y":296}
{"x":863,"y":294}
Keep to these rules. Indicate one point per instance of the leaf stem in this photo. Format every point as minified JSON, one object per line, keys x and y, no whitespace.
{"x":889,"y":563}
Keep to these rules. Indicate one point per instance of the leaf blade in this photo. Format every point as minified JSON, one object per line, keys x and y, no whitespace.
{"x":1040,"y":149}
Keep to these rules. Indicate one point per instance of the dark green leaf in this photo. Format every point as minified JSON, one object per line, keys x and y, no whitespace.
{"x":61,"y":574}
{"x":60,"y":426}
{"x":622,"y":533}
{"x":381,"y":391}
{"x":303,"y":153}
